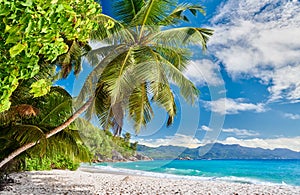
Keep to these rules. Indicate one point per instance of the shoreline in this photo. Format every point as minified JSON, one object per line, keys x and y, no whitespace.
{"x":144,"y":173}
{"x":89,"y":181}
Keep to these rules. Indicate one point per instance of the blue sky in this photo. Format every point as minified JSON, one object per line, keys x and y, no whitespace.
{"x":249,"y":79}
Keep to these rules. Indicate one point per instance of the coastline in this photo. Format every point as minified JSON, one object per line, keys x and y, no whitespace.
{"x":90,"y":181}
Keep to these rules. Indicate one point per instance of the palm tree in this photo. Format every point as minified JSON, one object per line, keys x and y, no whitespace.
{"x":148,"y":54}
{"x":145,"y":52}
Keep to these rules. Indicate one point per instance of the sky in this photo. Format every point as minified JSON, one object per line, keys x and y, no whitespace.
{"x":249,"y":79}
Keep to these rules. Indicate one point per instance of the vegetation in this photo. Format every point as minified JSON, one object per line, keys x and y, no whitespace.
{"x":30,"y":119}
{"x":144,"y":54}
{"x":45,"y":163}
{"x":37,"y":33}
{"x":103,"y":143}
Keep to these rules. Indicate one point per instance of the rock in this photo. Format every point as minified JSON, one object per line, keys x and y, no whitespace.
{"x":143,"y":157}
{"x":132,"y":158}
{"x":116,"y":156}
{"x":127,"y":178}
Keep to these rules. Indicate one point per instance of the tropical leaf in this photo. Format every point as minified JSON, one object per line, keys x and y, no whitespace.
{"x":152,"y":13}
{"x":126,"y":10}
{"x":139,"y":107}
{"x":72,"y":58}
{"x":90,"y":84}
{"x":184,"y":36}
{"x":179,"y":57}
{"x":165,"y":98}
{"x":178,"y":14}
{"x":187,"y":89}
{"x":114,"y":35}
{"x":95,"y":56}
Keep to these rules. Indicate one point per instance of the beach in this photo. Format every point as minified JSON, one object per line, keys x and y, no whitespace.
{"x":88,"y":181}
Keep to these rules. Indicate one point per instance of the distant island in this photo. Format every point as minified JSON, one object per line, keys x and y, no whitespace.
{"x":216,"y":151}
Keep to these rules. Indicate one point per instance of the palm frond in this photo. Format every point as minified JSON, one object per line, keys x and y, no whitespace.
{"x":91,"y":81}
{"x":187,"y":89}
{"x":165,"y":98}
{"x":102,"y":105}
{"x":117,"y":76}
{"x":95,"y":56}
{"x":110,"y":115}
{"x":139,"y":107}
{"x":68,"y":142}
{"x":179,"y":57}
{"x":184,"y":36}
{"x":178,"y":14}
{"x":116,"y":34}
{"x":25,"y":134}
{"x":72,"y":58}
{"x":126,"y":10}
{"x":152,"y":13}
{"x":117,"y":117}
{"x":55,"y":107}
{"x":59,"y":108}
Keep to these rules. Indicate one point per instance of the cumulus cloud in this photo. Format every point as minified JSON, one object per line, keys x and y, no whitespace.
{"x":286,"y":83}
{"x":225,"y":106}
{"x":204,"y":72}
{"x":175,"y":140}
{"x":241,"y":132}
{"x":206,"y":128}
{"x":260,"y":38}
{"x":289,"y":143}
{"x":192,"y":142}
{"x":292,"y":116}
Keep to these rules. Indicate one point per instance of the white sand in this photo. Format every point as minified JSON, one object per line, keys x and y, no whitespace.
{"x":82,"y":182}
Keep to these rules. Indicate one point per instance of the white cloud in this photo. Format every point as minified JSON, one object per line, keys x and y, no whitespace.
{"x":206,"y":128}
{"x":241,"y":132}
{"x":292,"y":116}
{"x":289,"y":143}
{"x":260,"y":38}
{"x":192,"y":142}
{"x":175,"y":140}
{"x":204,"y":72}
{"x":232,"y":106}
{"x":286,"y":83}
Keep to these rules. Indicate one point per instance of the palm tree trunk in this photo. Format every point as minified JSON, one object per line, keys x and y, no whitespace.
{"x":51,"y":133}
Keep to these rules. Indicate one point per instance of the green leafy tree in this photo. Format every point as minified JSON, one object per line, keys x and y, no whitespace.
{"x":36,"y":33}
{"x":29,"y":120}
{"x":127,"y":137}
{"x":102,"y":143}
{"x":144,"y":54}
{"x":134,"y":146}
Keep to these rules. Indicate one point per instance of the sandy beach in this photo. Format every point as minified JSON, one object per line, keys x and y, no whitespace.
{"x":84,"y":181}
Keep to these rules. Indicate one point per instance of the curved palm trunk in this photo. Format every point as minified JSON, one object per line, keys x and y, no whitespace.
{"x":49,"y":134}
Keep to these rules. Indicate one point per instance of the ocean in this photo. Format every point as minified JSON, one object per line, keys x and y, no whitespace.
{"x":270,"y":172}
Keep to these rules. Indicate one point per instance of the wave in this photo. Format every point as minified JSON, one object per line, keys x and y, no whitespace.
{"x":174,"y":173}
{"x":193,"y":172}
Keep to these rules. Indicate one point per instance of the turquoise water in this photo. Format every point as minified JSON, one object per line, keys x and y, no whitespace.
{"x":286,"y":172}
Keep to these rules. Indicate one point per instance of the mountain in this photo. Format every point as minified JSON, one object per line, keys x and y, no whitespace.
{"x":217,"y":151}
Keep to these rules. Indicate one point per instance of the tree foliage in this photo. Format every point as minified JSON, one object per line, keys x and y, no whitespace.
{"x":144,"y":52}
{"x":28,"y":120}
{"x":35,"y":33}
{"x":103,"y":143}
